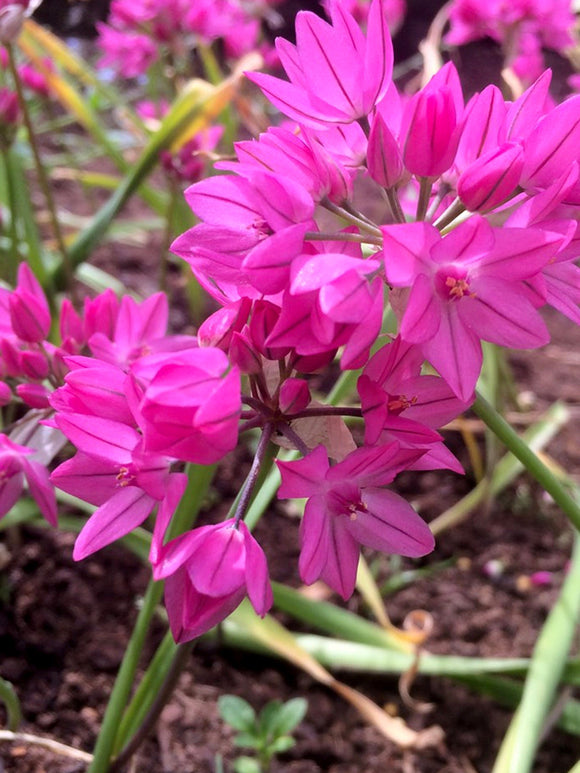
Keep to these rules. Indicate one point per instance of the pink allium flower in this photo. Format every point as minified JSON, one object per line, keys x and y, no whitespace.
{"x":209,"y":571}
{"x":189,"y":162}
{"x":29,"y":311}
{"x":113,"y":471}
{"x":465,"y":287}
{"x":522,"y":26}
{"x":347,"y":508}
{"x":16,"y":467}
{"x":191,"y":406}
{"x":337,"y":74}
{"x":128,"y":53}
{"x":254,"y":227}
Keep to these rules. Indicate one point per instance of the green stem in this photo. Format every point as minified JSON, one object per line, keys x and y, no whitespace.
{"x":178,"y":663}
{"x":123,"y":684}
{"x":253,"y":476}
{"x":354,"y":219}
{"x":11,"y":703}
{"x":145,"y":693}
{"x":13,"y":255}
{"x":395,"y":205}
{"x":546,"y":667}
{"x":40,"y":170}
{"x":528,"y":458}
{"x":425,"y":188}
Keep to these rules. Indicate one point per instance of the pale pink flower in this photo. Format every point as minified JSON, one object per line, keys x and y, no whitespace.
{"x":347,"y":507}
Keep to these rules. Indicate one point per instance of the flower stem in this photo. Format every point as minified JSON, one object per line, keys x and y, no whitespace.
{"x":425,"y":188}
{"x":314,"y":236}
{"x":528,"y":458}
{"x":351,"y":218}
{"x":122,"y":689}
{"x":40,"y":170}
{"x":252,"y":479}
{"x":177,"y":665}
{"x":395,"y":205}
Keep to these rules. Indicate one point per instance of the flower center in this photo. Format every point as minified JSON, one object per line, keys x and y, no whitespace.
{"x":124,"y":477}
{"x":453,"y":284}
{"x":400,"y":403}
{"x":354,"y":509}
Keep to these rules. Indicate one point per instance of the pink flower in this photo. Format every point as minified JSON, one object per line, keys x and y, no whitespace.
{"x":336,"y":73}
{"x":465,"y":287}
{"x":16,"y":466}
{"x":209,"y":571}
{"x":128,"y":53}
{"x":29,"y":311}
{"x":430,"y":124}
{"x":190,"y":407}
{"x":114,"y":472}
{"x":347,"y":508}
{"x":254,"y":227}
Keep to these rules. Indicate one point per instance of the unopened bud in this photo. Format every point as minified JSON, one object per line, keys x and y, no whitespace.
{"x":11,"y":20}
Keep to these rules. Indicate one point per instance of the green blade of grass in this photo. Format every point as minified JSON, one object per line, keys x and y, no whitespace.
{"x":545,"y":672}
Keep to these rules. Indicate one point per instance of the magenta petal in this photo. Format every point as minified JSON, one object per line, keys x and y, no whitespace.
{"x":87,"y":477}
{"x":126,"y":510}
{"x":423,"y":313}
{"x":435,"y":404}
{"x":406,"y":251}
{"x":295,"y":103}
{"x":391,"y":525}
{"x":378,"y":61}
{"x":220,"y":569}
{"x":201,"y":613}
{"x":315,"y":539}
{"x":10,"y":492}
{"x":341,"y":566}
{"x":41,"y":488}
{"x":501,"y":314}
{"x":103,"y":438}
{"x":303,"y":478}
{"x":175,"y":490}
{"x":332,"y":64}
{"x":456,"y":353}
{"x":257,"y":578}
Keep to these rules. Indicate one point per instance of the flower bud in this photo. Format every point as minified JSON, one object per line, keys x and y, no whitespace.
{"x":243,"y":354}
{"x":5,"y":394}
{"x":294,"y":395}
{"x":11,"y":20}
{"x":384,"y":160}
{"x":491,"y":178}
{"x":34,"y":395}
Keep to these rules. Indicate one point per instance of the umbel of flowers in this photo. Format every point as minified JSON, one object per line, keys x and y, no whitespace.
{"x":474,"y":228}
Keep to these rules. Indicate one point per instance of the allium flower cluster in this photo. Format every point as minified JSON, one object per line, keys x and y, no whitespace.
{"x":468,"y":227}
{"x":522,"y":27}
{"x":138,"y":30}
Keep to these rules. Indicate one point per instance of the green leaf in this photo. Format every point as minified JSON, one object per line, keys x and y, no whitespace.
{"x":247,"y":765}
{"x":267,"y":718}
{"x":289,"y":716}
{"x":282,"y":744}
{"x":247,"y":740}
{"x":237,"y":713}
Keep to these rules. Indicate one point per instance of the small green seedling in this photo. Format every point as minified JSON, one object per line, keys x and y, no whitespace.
{"x":267,"y":734}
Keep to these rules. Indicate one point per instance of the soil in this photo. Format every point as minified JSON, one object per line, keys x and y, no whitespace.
{"x":64,"y":626}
